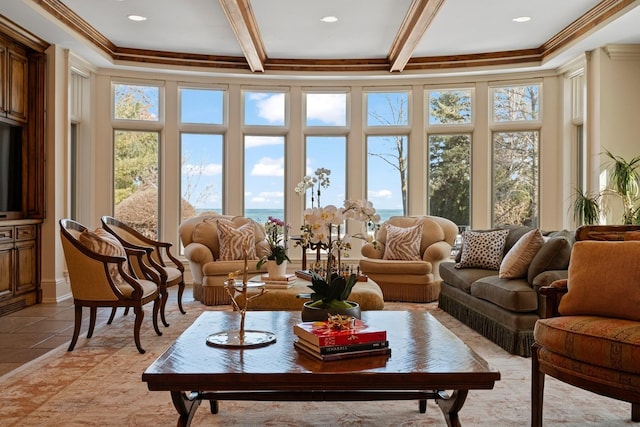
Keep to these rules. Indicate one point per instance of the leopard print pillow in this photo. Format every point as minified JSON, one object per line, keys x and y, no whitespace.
{"x":482,"y":250}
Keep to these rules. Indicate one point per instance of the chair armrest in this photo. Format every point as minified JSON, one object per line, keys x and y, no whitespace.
{"x":369,"y":250}
{"x":553,"y":294}
{"x":437,"y":252}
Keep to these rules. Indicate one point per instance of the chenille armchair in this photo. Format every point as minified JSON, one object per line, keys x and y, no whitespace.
{"x":214,"y":245}
{"x":158,"y":257}
{"x":405,"y":260}
{"x":101,"y":275}
{"x":590,"y":336}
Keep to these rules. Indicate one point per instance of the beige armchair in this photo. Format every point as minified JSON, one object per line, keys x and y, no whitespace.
{"x":406,"y":258}
{"x":101,"y":276}
{"x":210,"y":261}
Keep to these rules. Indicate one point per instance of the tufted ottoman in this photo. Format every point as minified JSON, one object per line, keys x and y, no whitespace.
{"x":368,"y":294}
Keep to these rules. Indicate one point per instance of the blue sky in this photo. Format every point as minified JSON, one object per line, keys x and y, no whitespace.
{"x":264,"y":155}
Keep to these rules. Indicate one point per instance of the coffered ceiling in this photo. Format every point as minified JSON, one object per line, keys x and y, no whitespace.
{"x":383,"y":37}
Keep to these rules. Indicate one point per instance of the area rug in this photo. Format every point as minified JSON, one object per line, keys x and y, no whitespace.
{"x":99,"y":384}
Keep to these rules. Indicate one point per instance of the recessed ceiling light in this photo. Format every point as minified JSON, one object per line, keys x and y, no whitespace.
{"x":522,"y":19}
{"x":329,"y":19}
{"x":137,"y":18}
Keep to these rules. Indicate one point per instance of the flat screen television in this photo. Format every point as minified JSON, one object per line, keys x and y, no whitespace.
{"x":10,"y":171}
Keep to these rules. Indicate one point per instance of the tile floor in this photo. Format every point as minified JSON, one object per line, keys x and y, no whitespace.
{"x":33,"y":331}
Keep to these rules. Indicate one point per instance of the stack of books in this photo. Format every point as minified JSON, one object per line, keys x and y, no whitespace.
{"x":318,"y":340}
{"x":278,"y":282}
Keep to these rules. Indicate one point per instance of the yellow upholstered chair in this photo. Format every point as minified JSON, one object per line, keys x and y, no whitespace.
{"x":405,"y":261}
{"x":590,"y":337}
{"x":158,"y":257}
{"x":101,"y":276}
{"x":213,"y":245}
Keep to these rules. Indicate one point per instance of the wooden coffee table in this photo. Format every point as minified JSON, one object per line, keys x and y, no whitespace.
{"x":426,"y":359}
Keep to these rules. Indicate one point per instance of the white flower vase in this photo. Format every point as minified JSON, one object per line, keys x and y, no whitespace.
{"x":276,"y":270}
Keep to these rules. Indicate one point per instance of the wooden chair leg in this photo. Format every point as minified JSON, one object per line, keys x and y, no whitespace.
{"x":635,"y":412}
{"x":76,"y":326}
{"x":537,"y":389}
{"x":113,"y":315}
{"x":126,"y":311}
{"x":180,"y":292}
{"x":139,"y":312}
{"x":156,"y":308}
{"x":92,"y":321}
{"x":164,"y":296}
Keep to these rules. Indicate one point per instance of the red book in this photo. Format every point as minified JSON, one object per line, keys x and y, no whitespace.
{"x":320,"y":334}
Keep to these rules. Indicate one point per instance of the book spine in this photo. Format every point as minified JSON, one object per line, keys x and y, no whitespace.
{"x":334,"y":349}
{"x":341,"y":356}
{"x":341,"y":339}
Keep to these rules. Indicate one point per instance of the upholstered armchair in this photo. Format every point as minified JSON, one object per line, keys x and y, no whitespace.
{"x":101,"y":276}
{"x":158,"y":257}
{"x":406,"y":257}
{"x":591,"y":336}
{"x":214,"y":246}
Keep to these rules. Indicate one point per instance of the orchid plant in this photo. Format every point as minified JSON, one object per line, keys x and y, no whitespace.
{"x":276,"y":231}
{"x":322,"y":228}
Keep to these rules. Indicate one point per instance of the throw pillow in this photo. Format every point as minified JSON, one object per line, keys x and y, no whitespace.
{"x":102,"y":242}
{"x":205,"y":233}
{"x":553,"y":255}
{"x":482,"y":250}
{"x":516,"y":262}
{"x":403,"y":243}
{"x":604,"y":280}
{"x":233,"y":241}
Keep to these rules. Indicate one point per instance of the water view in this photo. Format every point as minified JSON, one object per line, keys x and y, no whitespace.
{"x":261,"y":215}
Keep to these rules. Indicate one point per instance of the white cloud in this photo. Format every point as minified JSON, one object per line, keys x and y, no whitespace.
{"x":261,"y":141}
{"x":329,"y":108}
{"x":381,"y":194}
{"x":210,"y":169}
{"x":270,"y":106}
{"x":267,"y":166}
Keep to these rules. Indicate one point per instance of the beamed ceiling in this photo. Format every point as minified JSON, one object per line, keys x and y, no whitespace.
{"x":385,"y":37}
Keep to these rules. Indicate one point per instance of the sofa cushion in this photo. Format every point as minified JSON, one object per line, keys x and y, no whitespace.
{"x":553,"y":255}
{"x":607,"y":342}
{"x":464,"y":277}
{"x":206,"y":234}
{"x":234,"y":241}
{"x":604,"y":280}
{"x":403,"y":243}
{"x":510,"y":294}
{"x":482,"y":249}
{"x":515,"y":234}
{"x":516,"y":262}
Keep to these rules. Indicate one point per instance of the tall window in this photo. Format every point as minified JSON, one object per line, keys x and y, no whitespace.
{"x":387,"y":144}
{"x":449,"y":139}
{"x":136,"y":156}
{"x":264,"y":154}
{"x":515,"y":154}
{"x":202,"y":120}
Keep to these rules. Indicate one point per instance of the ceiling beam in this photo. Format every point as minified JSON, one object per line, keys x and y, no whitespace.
{"x":418,"y":18}
{"x":244,"y":25}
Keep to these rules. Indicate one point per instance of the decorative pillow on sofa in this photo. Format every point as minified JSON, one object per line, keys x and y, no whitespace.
{"x":515,"y":263}
{"x":482,"y":249}
{"x":104,"y":243}
{"x":403,"y":243}
{"x":233,"y":240}
{"x":603,"y":280}
{"x":553,"y":255}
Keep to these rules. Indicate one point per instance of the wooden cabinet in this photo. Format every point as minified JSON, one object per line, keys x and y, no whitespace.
{"x":19,"y":265}
{"x":13,"y":82}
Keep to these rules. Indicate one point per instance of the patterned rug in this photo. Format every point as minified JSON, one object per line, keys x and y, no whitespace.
{"x":99,"y":384}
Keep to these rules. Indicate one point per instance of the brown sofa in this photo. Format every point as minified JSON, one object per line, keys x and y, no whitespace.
{"x":410,"y":280}
{"x":505,"y":310}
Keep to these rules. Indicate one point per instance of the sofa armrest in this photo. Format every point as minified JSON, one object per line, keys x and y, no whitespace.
{"x":437,"y":251}
{"x":546,"y":278}
{"x":198,"y":253}
{"x":369,"y":250}
{"x":553,"y":294}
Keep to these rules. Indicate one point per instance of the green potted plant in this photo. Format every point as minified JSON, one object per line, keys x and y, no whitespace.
{"x":623,"y":184}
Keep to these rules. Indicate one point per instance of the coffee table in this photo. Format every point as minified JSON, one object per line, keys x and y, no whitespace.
{"x":426,"y":360}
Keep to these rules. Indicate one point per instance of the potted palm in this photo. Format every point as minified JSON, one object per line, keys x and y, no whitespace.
{"x":624,"y":185}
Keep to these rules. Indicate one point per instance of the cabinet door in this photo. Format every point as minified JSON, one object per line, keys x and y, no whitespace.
{"x":3,"y":80}
{"x":26,"y":266}
{"x":17,"y":86}
{"x":6,"y":271}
